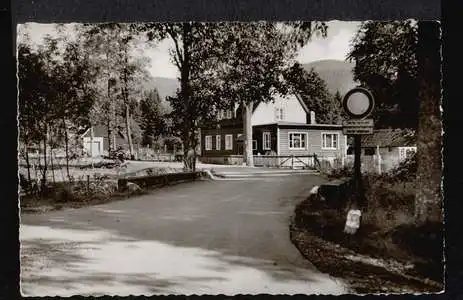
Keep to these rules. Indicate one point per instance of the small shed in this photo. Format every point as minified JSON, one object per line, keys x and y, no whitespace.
{"x":100,"y":141}
{"x":390,"y":146}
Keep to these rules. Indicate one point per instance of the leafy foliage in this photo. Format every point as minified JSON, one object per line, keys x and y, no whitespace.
{"x":315,"y":94}
{"x":386,"y":63}
{"x":151,"y":117}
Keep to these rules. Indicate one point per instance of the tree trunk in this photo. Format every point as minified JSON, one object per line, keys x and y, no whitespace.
{"x":247,"y":131}
{"x":185,"y":92}
{"x":91,"y":141}
{"x":66,"y":145}
{"x":428,"y":201}
{"x":129,"y":133}
{"x":44,"y":170}
{"x":28,"y":165}
{"x":109,"y":137}
{"x":52,"y":166}
{"x":110,"y":114}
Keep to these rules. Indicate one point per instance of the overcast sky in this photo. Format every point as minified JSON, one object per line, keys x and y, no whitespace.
{"x":335,"y":46}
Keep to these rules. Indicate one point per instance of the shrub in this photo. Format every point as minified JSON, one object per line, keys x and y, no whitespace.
{"x":406,"y":170}
{"x":64,"y":194}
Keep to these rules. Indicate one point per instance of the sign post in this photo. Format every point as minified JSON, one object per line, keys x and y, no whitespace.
{"x":358,"y":104}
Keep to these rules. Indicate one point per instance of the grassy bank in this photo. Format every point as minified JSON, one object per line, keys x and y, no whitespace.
{"x":74,"y":194}
{"x":388,"y":246}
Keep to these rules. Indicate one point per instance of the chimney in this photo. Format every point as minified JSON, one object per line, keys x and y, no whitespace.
{"x":312,"y":117}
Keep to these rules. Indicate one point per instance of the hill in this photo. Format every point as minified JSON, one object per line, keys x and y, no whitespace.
{"x":336,"y":73}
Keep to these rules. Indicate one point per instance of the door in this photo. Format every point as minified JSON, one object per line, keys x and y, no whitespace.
{"x":97,"y":148}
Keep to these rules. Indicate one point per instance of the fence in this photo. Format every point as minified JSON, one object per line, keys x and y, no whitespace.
{"x":374,"y":163}
{"x":286,"y":161}
{"x":156,"y":156}
{"x":270,"y":161}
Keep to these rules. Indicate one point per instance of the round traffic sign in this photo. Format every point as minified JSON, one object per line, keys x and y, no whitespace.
{"x":358,"y":103}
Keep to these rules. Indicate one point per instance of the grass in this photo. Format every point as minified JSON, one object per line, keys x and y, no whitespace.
{"x":74,"y":194}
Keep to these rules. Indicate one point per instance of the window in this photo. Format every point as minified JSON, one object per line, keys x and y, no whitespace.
{"x":221,"y":114}
{"x":254,"y":145}
{"x":208,"y":142}
{"x":228,"y":142}
{"x":229,"y":114}
{"x":266,"y":140}
{"x":297,"y":140}
{"x":217,"y":142}
{"x":330,"y":141}
{"x":279,"y":114}
{"x":369,"y":151}
{"x":406,"y":152}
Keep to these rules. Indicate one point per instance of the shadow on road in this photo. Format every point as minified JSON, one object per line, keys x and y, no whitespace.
{"x":227,"y":237}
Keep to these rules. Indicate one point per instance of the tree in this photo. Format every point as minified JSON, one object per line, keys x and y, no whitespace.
{"x":34,"y":86}
{"x":114,"y":45}
{"x":75,"y":80}
{"x":193,"y":43}
{"x":400,"y":61}
{"x":100,"y":40}
{"x":315,"y":94}
{"x":428,"y":200}
{"x":254,"y":60}
{"x":385,"y":57}
{"x":151,"y":117}
{"x":221,"y":64}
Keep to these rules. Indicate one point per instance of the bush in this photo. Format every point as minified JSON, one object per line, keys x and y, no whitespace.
{"x":64,"y":194}
{"x":406,"y":171}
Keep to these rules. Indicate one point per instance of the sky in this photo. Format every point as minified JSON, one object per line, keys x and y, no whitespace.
{"x":335,"y":46}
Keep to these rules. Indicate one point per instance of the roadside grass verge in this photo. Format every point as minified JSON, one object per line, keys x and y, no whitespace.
{"x":387,"y":233}
{"x":75,"y":194}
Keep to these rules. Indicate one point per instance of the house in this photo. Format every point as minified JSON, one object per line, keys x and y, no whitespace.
{"x":281,"y":128}
{"x":100,"y":141}
{"x":386,"y":148}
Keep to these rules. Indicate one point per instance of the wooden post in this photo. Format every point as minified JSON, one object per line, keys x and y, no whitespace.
{"x":88,"y":183}
{"x":359,"y":197}
{"x":91,"y":145}
{"x":379,"y":159}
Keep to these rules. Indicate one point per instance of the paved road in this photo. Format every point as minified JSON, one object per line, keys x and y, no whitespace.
{"x":207,"y":237}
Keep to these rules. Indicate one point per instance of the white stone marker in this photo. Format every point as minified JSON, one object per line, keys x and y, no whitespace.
{"x":352,"y":221}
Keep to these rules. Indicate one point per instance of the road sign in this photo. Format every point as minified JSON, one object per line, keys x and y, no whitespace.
{"x":358,"y":103}
{"x":354,"y":127}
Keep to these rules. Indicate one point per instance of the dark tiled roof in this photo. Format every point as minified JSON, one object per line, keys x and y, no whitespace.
{"x":102,"y":131}
{"x":389,"y":138}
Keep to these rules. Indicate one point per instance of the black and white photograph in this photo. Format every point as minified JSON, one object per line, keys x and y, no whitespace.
{"x":194,"y":158}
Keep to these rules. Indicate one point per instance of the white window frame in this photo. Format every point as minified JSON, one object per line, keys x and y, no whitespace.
{"x":306,"y":142}
{"x":254,"y":145}
{"x":266,"y":140}
{"x":208,"y":142}
{"x":218,"y":140}
{"x":403,"y":151}
{"x":229,"y":142}
{"x":330,"y":147}
{"x":279,"y":113}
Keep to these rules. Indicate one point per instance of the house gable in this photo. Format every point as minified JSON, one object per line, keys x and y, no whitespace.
{"x":284,"y":108}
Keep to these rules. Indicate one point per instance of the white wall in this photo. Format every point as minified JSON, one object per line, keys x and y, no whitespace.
{"x":293,"y":111}
{"x":97,"y":146}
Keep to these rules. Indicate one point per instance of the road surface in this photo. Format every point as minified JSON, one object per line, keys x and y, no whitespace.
{"x":206,"y":237}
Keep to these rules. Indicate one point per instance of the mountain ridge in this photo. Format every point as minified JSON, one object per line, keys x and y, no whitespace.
{"x":337,"y":74}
